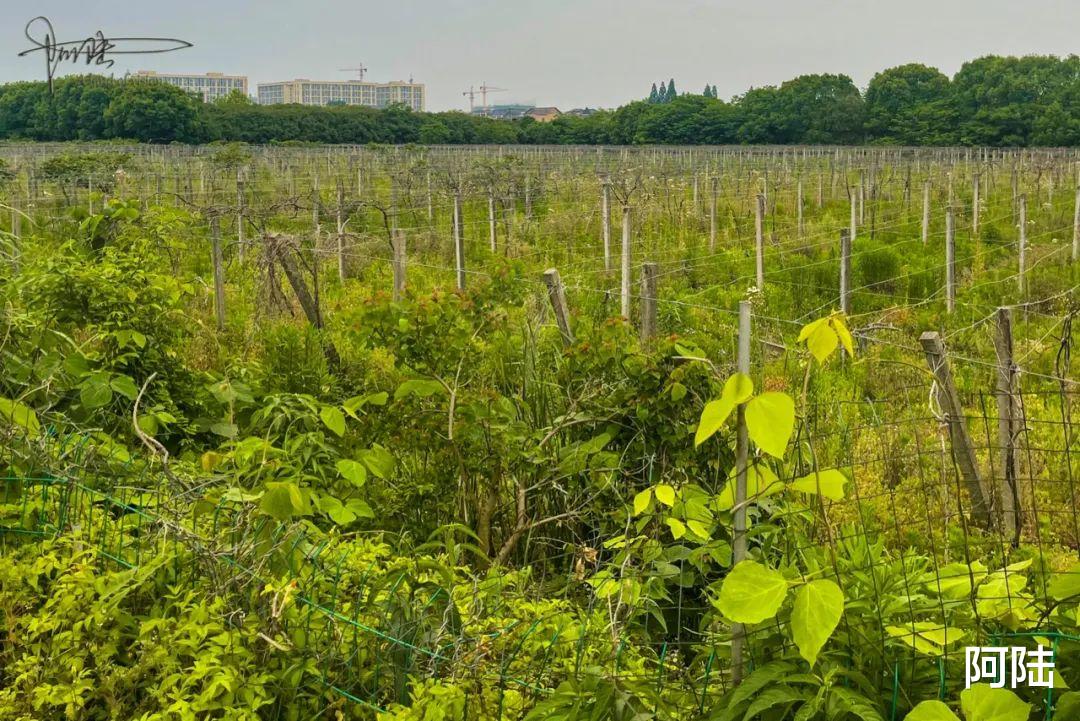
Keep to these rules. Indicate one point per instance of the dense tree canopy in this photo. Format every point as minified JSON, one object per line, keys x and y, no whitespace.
{"x":1000,"y":101}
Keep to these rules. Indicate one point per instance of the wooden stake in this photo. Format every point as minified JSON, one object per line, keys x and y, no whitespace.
{"x":963,"y":451}
{"x":219,"y":272}
{"x":240,"y":217}
{"x":557,"y":296}
{"x":398,"y":264}
{"x":1008,"y":496}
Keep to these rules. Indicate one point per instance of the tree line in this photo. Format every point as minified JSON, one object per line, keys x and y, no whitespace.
{"x":993,"y":100}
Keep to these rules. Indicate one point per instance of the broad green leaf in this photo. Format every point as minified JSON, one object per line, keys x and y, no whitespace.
{"x":333,"y":418}
{"x":124,"y":386}
{"x":282,"y":500}
{"x":770,"y":419}
{"x":678,"y":529}
{"x":225,"y":430}
{"x":698,"y":528}
{"x":822,"y":342}
{"x":817,"y":610}
{"x":773,"y":696}
{"x":21,"y":415}
{"x":751,"y":593}
{"x":738,"y":388}
{"x":337,"y":511}
{"x":1065,"y":585}
{"x":665,"y":494}
{"x":418,"y":387}
{"x":855,"y":704}
{"x":931,"y":711}
{"x":352,"y":471}
{"x":360,"y":508}
{"x":678,"y":392}
{"x":712,"y":418}
{"x":981,"y":702}
{"x":928,"y":637}
{"x":378,"y":460}
{"x":1068,"y":706}
{"x":829,"y":483}
{"x":755,"y":682}
{"x":807,"y":330}
{"x":95,"y":392}
{"x":642,"y":500}
{"x":842,"y":332}
{"x":954,"y":580}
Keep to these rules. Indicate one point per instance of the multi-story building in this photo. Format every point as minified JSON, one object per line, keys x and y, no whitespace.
{"x":208,"y":86}
{"x":343,"y":92}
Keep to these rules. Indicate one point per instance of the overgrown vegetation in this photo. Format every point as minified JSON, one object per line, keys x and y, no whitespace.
{"x":331,"y":501}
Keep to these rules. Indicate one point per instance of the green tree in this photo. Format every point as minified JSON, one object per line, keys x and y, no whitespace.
{"x":910,"y":105}
{"x":152,"y":112}
{"x":671,"y":92}
{"x":999,"y":100}
{"x":654,"y":96}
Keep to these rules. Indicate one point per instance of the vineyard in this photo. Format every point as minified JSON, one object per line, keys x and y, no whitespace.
{"x":447,"y":433}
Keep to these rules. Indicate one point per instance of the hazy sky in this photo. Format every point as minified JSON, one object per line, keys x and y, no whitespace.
{"x":567,"y":53}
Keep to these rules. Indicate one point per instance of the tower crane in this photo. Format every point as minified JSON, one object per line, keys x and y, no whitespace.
{"x":359,"y":70}
{"x":483,"y":90}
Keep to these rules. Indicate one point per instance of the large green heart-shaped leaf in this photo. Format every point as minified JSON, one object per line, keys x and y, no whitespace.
{"x":333,"y":418}
{"x":770,"y":420}
{"x":829,"y":483}
{"x":982,"y":702}
{"x":814,"y":616}
{"x":751,"y":593}
{"x":931,"y":711}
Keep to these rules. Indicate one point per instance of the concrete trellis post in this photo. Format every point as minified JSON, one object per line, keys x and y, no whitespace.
{"x":398,"y":264}
{"x":759,"y":241}
{"x":1022,"y":249}
{"x":605,"y":222}
{"x":1076,"y":229}
{"x":648,"y":301}
{"x":950,"y":261}
{"x":925,"y":212}
{"x":459,"y":243}
{"x":742,"y":454}
{"x":624,"y":295}
{"x":491,"y":220}
{"x":845,"y":271}
{"x":712,"y":215}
